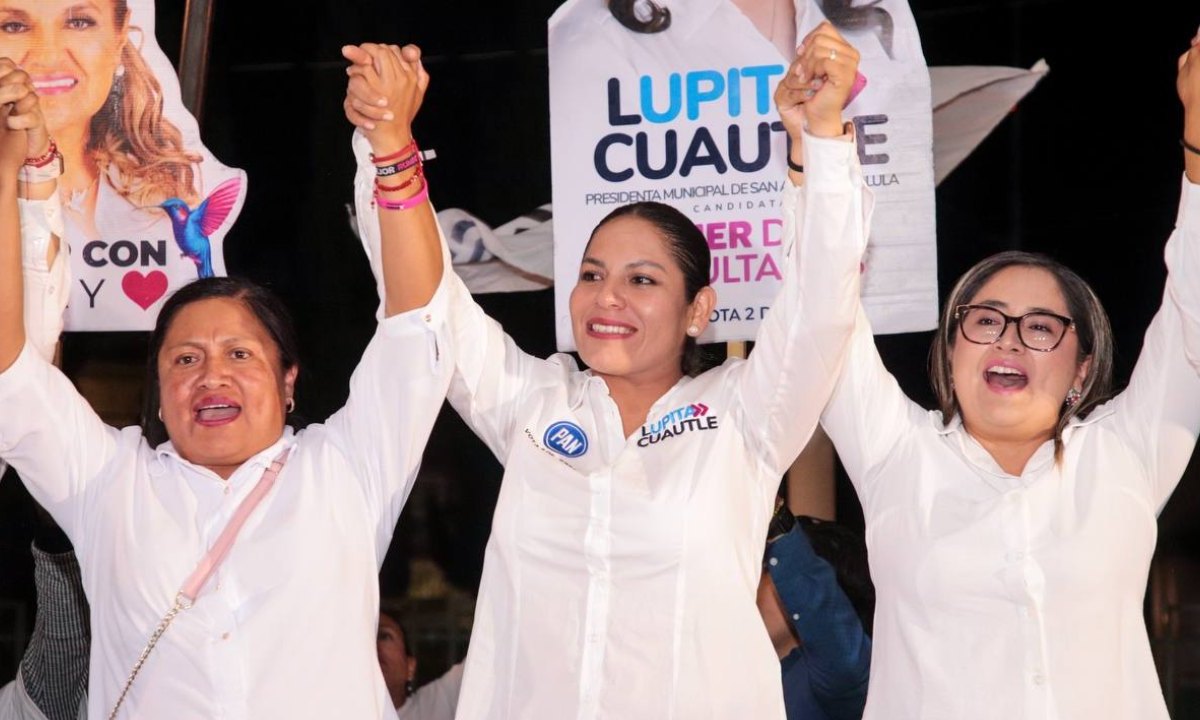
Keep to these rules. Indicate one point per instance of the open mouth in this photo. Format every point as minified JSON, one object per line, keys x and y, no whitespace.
{"x":609,"y":330}
{"x":54,"y":85}
{"x":211,"y":413}
{"x":1003,"y":378}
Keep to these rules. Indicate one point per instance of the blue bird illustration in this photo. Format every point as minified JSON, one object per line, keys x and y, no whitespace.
{"x":193,"y":227}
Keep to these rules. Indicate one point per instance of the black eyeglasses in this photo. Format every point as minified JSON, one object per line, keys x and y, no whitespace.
{"x":984,"y":325}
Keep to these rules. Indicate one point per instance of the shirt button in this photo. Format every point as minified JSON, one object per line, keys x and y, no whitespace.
{"x":773,"y":562}
{"x":428,"y":318}
{"x":1039,"y":679}
{"x":224,"y":636}
{"x":795,"y":616}
{"x":226,"y":490}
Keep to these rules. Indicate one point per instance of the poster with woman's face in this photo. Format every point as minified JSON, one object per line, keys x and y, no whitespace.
{"x":145,"y":205}
{"x":672,"y":101}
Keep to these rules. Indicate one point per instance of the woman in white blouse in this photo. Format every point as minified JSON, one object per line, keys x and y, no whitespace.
{"x":1011,"y":531}
{"x":620,"y":577}
{"x":141,"y":516}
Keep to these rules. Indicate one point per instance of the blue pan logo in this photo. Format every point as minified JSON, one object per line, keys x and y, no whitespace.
{"x":566,"y":439}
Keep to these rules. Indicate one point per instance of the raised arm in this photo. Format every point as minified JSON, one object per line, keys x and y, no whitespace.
{"x":55,"y":442}
{"x":491,"y":378}
{"x":802,"y":341}
{"x":1188,"y":85}
{"x":387,"y":85}
{"x":1159,"y":411}
{"x":22,"y":135}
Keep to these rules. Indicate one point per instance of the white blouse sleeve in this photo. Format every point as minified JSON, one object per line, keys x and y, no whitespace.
{"x":801,"y":343}
{"x":47,"y":285}
{"x":1159,"y":412}
{"x":52,"y":437}
{"x":490,"y":373}
{"x":867,"y":413}
{"x":395,"y":395}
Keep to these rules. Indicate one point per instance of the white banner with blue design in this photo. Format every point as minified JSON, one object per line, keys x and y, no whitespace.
{"x":684,"y":115}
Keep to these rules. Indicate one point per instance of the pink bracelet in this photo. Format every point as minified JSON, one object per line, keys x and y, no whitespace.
{"x":406,"y":204}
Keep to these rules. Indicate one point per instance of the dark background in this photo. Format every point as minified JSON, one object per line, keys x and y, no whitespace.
{"x":1086,"y":169}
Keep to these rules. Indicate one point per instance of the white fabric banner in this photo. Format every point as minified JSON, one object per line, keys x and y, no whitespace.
{"x":685,"y":116}
{"x":145,"y":204}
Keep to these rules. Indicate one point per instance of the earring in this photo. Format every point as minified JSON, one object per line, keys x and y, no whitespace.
{"x":409,"y":688}
{"x":693,"y":330}
{"x":160,"y":414}
{"x":291,"y":405}
{"x":1073,"y":396}
{"x":120,"y":72}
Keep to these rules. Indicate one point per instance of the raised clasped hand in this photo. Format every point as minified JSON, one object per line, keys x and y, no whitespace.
{"x":386,"y":87}
{"x":818,"y":83}
{"x":23,"y":131}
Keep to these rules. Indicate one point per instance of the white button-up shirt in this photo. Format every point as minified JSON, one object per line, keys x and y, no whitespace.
{"x":620,"y":576}
{"x":1021,"y":597}
{"x":286,"y":627}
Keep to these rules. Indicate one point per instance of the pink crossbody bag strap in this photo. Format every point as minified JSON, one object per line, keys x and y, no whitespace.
{"x":208,"y":565}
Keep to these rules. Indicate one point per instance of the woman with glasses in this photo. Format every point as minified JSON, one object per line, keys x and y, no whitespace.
{"x":1011,"y":530}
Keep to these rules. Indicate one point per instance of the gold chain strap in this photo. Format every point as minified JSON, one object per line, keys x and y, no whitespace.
{"x":180,"y":605}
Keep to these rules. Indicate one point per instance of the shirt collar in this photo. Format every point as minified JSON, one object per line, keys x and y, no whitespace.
{"x":982,"y":459}
{"x":166,"y":453}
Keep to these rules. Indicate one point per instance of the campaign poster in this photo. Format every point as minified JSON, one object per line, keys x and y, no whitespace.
{"x":145,"y":205}
{"x":682,"y":112}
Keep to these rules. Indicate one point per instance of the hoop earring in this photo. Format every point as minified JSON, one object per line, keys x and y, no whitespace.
{"x":291,"y":406}
{"x":1073,"y":396}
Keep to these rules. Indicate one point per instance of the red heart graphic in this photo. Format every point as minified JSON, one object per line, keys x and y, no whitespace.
{"x":146,"y":289}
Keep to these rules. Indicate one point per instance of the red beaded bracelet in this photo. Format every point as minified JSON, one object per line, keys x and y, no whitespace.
{"x":418,"y":175}
{"x":411,"y":147}
{"x":44,"y":159}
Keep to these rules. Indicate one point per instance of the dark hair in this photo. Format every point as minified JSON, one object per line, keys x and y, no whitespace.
{"x":687,"y":246}
{"x":1090,"y":322}
{"x":846,"y":551}
{"x":263,"y":304}
{"x":659,"y":17}
{"x":395,"y":617}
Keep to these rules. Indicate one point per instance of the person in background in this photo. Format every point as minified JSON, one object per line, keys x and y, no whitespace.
{"x":816,"y":599}
{"x":51,"y":682}
{"x":435,"y":700}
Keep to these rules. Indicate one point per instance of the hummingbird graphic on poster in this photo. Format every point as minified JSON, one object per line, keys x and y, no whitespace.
{"x":193,"y":226}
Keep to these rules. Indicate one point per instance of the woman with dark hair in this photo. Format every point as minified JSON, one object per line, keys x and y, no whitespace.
{"x":620,"y":577}
{"x":278,"y":529}
{"x":1011,"y":530}
{"x":435,"y":700}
